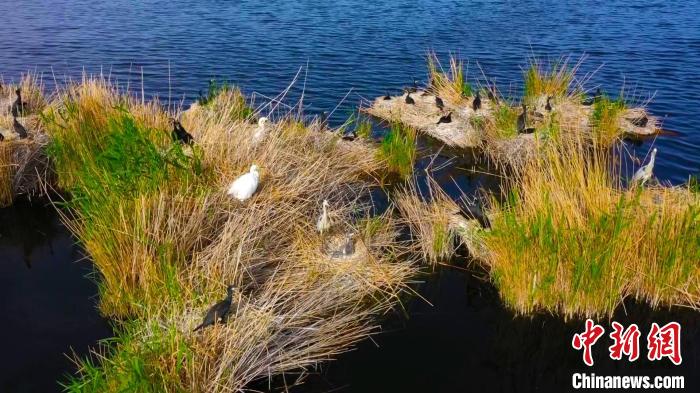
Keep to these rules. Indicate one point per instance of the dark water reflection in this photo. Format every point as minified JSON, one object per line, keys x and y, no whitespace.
{"x":48,"y":307}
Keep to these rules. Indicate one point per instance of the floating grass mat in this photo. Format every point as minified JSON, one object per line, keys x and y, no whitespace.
{"x":556,"y":108}
{"x":166,"y":241}
{"x":23,"y":162}
{"x":571,"y":240}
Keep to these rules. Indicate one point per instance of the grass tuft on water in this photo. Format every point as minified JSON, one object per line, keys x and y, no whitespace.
{"x":570,"y":240}
{"x":166,"y":241}
{"x":398,"y":149}
{"x":552,"y":80}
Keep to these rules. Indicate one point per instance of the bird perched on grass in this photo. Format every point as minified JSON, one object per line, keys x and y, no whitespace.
{"x":438,"y":103}
{"x":179,"y":134}
{"x":445,"y":119}
{"x":591,"y":100}
{"x":641,"y":121}
{"x":18,"y":107}
{"x":645,"y":173}
{"x":260,"y":132}
{"x":323,"y":224}
{"x":219,"y":312}
{"x":522,"y":120}
{"x":409,"y":100}
{"x":476,"y":104}
{"x":387,"y":96}
{"x":350,"y":136}
{"x":413,"y":88}
{"x":548,"y":105}
{"x":245,"y":185}
{"x":19,"y":128}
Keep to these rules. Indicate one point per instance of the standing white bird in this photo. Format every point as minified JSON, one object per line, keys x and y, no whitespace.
{"x":245,"y":186}
{"x":644,"y":173}
{"x":324,"y":222}
{"x":260,"y":132}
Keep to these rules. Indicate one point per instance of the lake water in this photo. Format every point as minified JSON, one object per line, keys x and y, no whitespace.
{"x":360,"y":48}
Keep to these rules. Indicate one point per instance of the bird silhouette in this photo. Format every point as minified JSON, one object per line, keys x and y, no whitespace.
{"x":19,"y":128}
{"x":179,"y":134}
{"x":439,"y":103}
{"x":445,"y":119}
{"x":645,"y":173}
{"x":548,"y":106}
{"x":219,"y":312}
{"x":18,"y":106}
{"x":522,"y":120}
{"x":641,"y":121}
{"x":409,"y":100}
{"x":387,"y":96}
{"x":476,"y":104}
{"x":350,"y":136}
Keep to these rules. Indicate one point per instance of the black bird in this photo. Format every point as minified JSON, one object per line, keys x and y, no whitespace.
{"x":323,"y":120}
{"x":476,"y":104}
{"x":439,"y":103}
{"x":445,"y":119}
{"x":591,"y":100}
{"x":19,"y":129}
{"x":548,"y":106}
{"x":387,"y":97}
{"x":18,"y":107}
{"x":474,"y":212}
{"x":409,"y":100}
{"x":640,"y":121}
{"x":218,"y":312}
{"x":350,"y":136}
{"x":522,"y":120}
{"x":179,"y":134}
{"x":413,"y":88}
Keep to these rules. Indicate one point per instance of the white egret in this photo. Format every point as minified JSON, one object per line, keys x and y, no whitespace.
{"x":245,"y":186}
{"x":260,"y":132}
{"x":324,"y":222}
{"x":645,"y":173}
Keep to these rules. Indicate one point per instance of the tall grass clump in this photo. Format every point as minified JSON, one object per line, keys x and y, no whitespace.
{"x":552,"y":80}
{"x":398,"y":149}
{"x":166,"y":241}
{"x":605,"y":118}
{"x":570,"y":240}
{"x":452,"y":84}
{"x":6,"y":175}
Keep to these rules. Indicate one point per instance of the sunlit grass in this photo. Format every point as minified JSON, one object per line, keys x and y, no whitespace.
{"x":548,"y":80}
{"x":605,"y":118}
{"x":570,"y":240}
{"x":398,"y":149}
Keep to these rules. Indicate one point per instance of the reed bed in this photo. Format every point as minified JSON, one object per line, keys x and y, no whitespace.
{"x":571,"y":240}
{"x":166,"y":241}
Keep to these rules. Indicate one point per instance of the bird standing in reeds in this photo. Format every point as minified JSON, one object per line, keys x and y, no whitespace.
{"x":645,"y":173}
{"x":219,"y":312}
{"x":19,"y":128}
{"x":548,"y":105}
{"x":180,"y":134}
{"x":522,"y":120}
{"x":476,"y":104}
{"x":261,"y":131}
{"x":409,"y":100}
{"x":245,"y":185}
{"x":323,"y":224}
{"x":438,"y":103}
{"x":445,"y":119}
{"x":18,"y":107}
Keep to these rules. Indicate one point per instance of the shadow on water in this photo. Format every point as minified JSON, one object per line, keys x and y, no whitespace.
{"x":467,"y":341}
{"x":48,"y":306}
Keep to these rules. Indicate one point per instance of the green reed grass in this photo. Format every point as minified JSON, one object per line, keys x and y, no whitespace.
{"x":605,"y":117}
{"x":398,"y":149}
